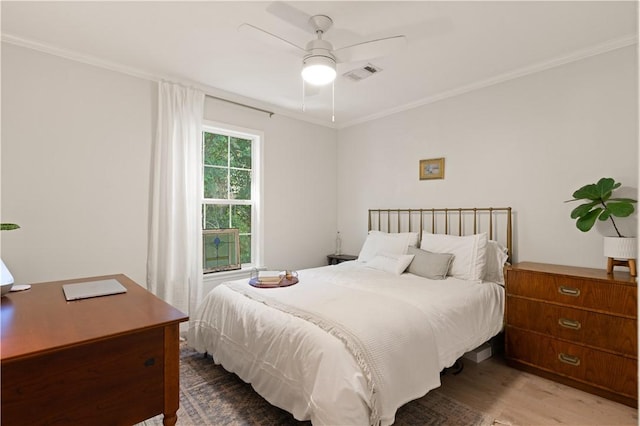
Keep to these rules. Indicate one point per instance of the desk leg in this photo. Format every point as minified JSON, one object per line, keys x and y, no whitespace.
{"x":171,"y":374}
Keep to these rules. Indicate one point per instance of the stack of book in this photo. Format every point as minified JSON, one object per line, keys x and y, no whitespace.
{"x":266,"y":278}
{"x":269,"y":279}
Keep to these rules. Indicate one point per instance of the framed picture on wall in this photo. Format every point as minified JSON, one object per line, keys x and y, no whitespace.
{"x":432,"y":168}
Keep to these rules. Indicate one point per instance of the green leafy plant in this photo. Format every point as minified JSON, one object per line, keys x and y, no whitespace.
{"x":600,"y":205}
{"x":8,"y":226}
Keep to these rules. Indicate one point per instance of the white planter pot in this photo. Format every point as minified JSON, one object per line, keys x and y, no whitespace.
{"x":621,"y":248}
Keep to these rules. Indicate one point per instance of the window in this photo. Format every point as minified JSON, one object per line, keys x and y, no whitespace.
{"x":230,"y":198}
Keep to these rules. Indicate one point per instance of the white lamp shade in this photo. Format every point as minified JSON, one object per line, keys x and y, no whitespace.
{"x":5,"y":275}
{"x":621,"y":248}
{"x":319,"y":70}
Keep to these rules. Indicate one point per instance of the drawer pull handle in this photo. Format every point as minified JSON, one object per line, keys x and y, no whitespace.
{"x":569,"y":291}
{"x":569,"y":323}
{"x":569,"y":359}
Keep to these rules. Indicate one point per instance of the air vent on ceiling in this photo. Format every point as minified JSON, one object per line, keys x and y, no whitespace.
{"x":362,"y":73}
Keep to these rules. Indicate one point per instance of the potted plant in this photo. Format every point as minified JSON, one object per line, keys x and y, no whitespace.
{"x":600,"y":205}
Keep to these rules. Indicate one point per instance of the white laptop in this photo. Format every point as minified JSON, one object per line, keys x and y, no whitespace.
{"x":92,"y":289}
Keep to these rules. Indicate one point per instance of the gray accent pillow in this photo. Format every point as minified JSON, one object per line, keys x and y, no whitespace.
{"x":429,"y":265}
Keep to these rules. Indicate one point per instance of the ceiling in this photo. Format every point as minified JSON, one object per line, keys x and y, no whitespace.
{"x":453,"y":46}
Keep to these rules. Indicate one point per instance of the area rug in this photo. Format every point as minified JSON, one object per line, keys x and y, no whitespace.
{"x":211,"y":396}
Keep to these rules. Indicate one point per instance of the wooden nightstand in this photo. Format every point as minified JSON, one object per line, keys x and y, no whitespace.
{"x":577,"y":326}
{"x":334,"y":259}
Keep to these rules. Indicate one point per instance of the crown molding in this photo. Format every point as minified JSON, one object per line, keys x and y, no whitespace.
{"x":574,"y":56}
{"x":78,"y":57}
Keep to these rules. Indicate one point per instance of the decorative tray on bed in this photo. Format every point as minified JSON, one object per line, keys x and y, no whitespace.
{"x":269,"y":279}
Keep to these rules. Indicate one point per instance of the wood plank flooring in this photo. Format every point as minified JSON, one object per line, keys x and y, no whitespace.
{"x":513,"y":397}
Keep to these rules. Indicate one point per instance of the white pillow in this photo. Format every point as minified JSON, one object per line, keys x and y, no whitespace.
{"x":470,"y":260}
{"x":381,"y":242}
{"x":412,"y":237}
{"x":391,"y":262}
{"x":496,"y":259}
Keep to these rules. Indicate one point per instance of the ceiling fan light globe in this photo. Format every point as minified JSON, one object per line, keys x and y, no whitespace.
{"x":318,"y":75}
{"x":319,"y":70}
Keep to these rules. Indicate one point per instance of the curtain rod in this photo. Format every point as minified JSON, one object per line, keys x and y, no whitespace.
{"x":239,"y":104}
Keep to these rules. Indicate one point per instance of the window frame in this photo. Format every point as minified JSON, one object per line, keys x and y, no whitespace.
{"x":257,"y":231}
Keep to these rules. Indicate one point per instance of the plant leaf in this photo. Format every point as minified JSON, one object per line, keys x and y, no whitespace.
{"x":624,"y":200}
{"x":620,"y":209}
{"x":8,"y":226}
{"x":583,"y":209}
{"x":586,"y":222}
{"x":606,"y":187}
{"x":587,"y":192}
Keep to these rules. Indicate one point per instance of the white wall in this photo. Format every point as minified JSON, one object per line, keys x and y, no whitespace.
{"x":76,"y":144}
{"x":76,"y":155}
{"x":527,"y":143}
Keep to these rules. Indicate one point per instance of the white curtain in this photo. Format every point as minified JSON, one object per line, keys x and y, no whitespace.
{"x":174,"y":267}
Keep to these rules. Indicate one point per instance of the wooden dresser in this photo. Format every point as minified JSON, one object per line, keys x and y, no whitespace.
{"x":577,"y":326}
{"x":111,"y":360}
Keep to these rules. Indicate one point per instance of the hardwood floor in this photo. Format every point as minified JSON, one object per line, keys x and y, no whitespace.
{"x":513,"y":397}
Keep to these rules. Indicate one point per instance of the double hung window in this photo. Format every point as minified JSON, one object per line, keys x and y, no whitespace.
{"x":230,"y":187}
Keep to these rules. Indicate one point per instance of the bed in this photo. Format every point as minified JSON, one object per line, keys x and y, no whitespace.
{"x":351,"y":343}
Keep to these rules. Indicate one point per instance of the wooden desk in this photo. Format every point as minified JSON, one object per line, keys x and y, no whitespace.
{"x":107,"y":360}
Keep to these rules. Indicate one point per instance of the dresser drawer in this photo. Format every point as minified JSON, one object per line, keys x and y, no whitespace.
{"x":576,"y":325}
{"x":604,"y":370}
{"x":114,"y":381}
{"x":578,"y":292}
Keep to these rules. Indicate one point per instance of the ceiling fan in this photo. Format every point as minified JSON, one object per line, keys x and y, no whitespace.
{"x":319,"y":58}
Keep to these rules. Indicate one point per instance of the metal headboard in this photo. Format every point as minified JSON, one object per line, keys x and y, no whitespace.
{"x":495,"y":221}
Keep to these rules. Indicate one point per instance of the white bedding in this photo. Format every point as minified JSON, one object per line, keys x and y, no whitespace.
{"x":287,"y":344}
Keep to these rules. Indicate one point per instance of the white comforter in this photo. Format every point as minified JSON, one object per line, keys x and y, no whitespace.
{"x":348,"y":345}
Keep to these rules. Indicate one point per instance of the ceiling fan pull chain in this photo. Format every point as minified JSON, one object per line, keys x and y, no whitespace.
{"x":333,"y":101}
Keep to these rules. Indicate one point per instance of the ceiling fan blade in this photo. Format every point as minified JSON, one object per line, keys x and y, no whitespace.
{"x":291,"y":15}
{"x":269,"y":38}
{"x":370,"y":49}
